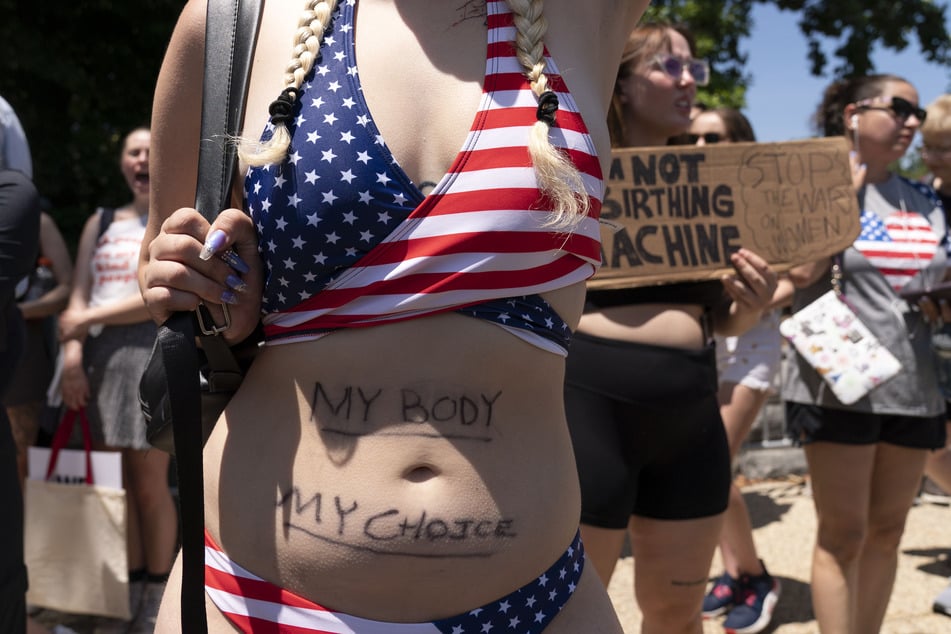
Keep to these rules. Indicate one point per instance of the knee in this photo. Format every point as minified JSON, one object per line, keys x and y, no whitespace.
{"x":886,"y":535}
{"x":670,"y":616}
{"x":842,"y":542}
{"x":149,"y":492}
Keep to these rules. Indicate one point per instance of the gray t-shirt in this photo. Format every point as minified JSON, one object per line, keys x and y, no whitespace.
{"x":869,"y":276}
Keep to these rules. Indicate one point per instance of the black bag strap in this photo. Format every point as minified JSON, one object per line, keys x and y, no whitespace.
{"x":106,"y":214}
{"x":230,"y":33}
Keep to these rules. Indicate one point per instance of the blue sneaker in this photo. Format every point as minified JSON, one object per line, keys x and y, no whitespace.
{"x":722,"y":596}
{"x":757,"y":600}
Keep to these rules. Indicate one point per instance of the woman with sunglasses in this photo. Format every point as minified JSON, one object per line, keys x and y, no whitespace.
{"x":866,"y":459}
{"x":747,"y":365}
{"x":640,"y":392}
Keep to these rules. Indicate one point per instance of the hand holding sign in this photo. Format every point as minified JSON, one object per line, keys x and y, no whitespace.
{"x":679,"y":212}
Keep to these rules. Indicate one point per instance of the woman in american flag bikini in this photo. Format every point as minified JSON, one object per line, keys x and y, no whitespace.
{"x":866,"y":459}
{"x":397,"y":458}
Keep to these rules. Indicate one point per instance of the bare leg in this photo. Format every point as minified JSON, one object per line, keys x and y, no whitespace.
{"x":158,"y":523}
{"x":25,"y":425}
{"x":739,"y":407}
{"x":938,"y":465}
{"x":841,"y":484}
{"x":895,"y":478}
{"x":670,"y":571}
{"x":603,"y":548}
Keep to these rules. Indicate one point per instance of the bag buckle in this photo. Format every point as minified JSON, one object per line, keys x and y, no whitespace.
{"x":205,"y":318}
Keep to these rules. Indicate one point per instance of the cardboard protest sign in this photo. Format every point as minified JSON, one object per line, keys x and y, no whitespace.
{"x":678,"y":212}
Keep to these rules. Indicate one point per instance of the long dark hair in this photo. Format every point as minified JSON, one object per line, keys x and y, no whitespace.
{"x":738,"y":127}
{"x":829,"y":119}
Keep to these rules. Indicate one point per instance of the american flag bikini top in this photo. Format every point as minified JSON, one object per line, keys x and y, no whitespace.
{"x":348,"y":240}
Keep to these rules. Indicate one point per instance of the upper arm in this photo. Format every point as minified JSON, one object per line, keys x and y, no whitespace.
{"x":53,"y":246}
{"x":82,"y":272}
{"x":619,"y":17}
{"x":176,"y":121}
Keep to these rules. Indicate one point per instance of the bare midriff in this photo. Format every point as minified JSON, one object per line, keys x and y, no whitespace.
{"x":383,"y":471}
{"x":675,"y":325}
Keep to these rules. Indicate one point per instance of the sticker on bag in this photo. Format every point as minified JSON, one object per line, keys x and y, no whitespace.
{"x":844,"y":352}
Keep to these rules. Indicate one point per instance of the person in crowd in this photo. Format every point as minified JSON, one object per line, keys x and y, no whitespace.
{"x":747,"y":365}
{"x":15,"y":155}
{"x":640,"y":392}
{"x":19,"y":239}
{"x":936,"y":154}
{"x":107,"y":336}
{"x":14,"y":147}
{"x":442,"y":319}
{"x":866,"y":459}
{"x":41,"y":296}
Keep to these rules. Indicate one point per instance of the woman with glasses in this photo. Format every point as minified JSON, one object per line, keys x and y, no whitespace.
{"x":747,"y":365}
{"x":640,"y":392}
{"x":936,"y":154}
{"x":866,"y":459}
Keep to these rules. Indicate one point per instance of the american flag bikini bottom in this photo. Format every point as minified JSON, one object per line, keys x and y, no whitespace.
{"x":255,"y":605}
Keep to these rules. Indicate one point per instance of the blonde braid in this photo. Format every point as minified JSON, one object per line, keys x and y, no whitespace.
{"x":310,"y":33}
{"x":558,"y":178}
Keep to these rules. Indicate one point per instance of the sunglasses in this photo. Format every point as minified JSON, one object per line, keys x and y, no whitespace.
{"x":708,"y":138}
{"x":901,"y":108}
{"x":699,"y":69}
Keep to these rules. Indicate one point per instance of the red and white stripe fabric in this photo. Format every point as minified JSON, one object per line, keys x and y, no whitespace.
{"x":256,"y":606}
{"x":481,"y":234}
{"x":900,"y":246}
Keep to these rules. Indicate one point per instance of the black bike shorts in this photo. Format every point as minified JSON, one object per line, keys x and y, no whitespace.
{"x":646,"y":430}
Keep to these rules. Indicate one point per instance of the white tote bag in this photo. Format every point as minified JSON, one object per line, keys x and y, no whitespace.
{"x":75,"y":527}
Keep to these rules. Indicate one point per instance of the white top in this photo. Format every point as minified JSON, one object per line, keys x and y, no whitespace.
{"x":115,"y":261}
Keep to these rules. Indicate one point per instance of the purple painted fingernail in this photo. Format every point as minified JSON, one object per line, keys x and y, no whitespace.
{"x":213,"y":243}
{"x":235,"y":262}
{"x":235,"y":283}
{"x":228,"y":297}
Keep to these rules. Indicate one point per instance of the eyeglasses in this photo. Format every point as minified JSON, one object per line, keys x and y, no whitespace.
{"x":709,"y":138}
{"x":699,"y":69}
{"x":901,"y":108}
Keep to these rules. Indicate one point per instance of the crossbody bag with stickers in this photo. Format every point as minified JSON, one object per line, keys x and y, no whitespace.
{"x":833,"y":340}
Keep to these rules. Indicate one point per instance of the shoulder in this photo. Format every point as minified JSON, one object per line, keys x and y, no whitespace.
{"x":923,"y":190}
{"x":6,"y":110}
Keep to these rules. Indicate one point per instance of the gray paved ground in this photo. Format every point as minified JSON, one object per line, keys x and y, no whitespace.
{"x":784,"y":529}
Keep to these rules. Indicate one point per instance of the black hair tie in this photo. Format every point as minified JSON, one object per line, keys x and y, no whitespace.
{"x":282,"y":108}
{"x":547,"y":107}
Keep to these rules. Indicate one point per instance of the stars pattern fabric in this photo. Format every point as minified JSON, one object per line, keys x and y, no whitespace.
{"x":337,"y":195}
{"x":348,"y":240}
{"x":253,"y":604}
{"x":530,"y":608}
{"x":900,"y":246}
